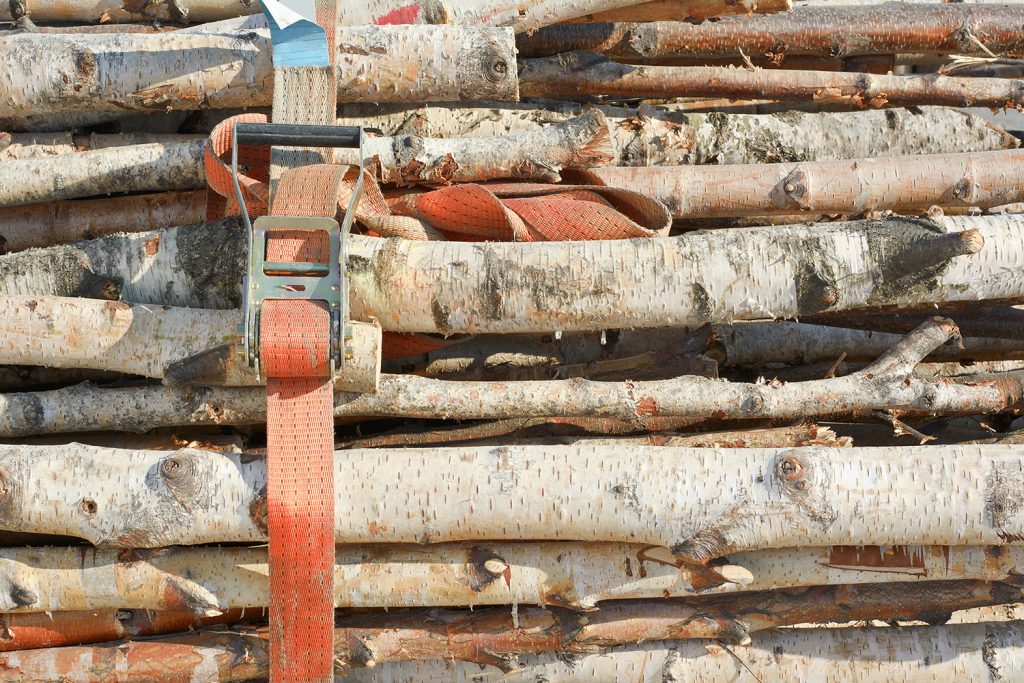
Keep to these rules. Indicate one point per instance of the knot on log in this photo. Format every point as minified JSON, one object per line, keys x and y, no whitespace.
{"x":485,"y":568}
{"x":803,"y":477}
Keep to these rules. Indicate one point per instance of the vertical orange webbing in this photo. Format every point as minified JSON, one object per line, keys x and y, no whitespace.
{"x":295,"y":357}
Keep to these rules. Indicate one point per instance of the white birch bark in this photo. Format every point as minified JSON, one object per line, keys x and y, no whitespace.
{"x":132,"y":168}
{"x":904,"y":185}
{"x":51,"y":223}
{"x":701,"y":503}
{"x":889,"y":384}
{"x":64,"y":73}
{"x":579,"y":576}
{"x":922,"y":654}
{"x":411,"y":286}
{"x":147,"y":340}
{"x":661,"y":135}
{"x":32,"y":145}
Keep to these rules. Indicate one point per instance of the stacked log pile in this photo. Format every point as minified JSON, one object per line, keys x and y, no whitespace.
{"x":754,"y":401}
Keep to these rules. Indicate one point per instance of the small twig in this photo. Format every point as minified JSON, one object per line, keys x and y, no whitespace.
{"x":901,"y":428}
{"x":832,"y":370}
{"x":737,"y":658}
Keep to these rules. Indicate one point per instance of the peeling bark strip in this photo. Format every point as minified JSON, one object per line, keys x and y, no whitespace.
{"x":449,"y":288}
{"x":660,"y":135}
{"x":132,"y":168}
{"x":27,"y":631}
{"x":916,"y":654}
{"x":900,"y":184}
{"x":827,"y":32}
{"x":690,"y":10}
{"x":571,"y":575}
{"x":62,"y":73}
{"x":888,"y":384}
{"x":52,"y":223}
{"x":122,"y":11}
{"x":576,"y":75}
{"x":746,"y":498}
{"x":493,"y":637}
{"x":152,"y":341}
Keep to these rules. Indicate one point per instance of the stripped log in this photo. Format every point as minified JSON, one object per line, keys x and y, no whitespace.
{"x":27,"y":631}
{"x":869,"y":655}
{"x":576,"y":576}
{"x":102,"y":11}
{"x":700,"y":503}
{"x":829,"y":32}
{"x":145,"y":340}
{"x":888,"y":384}
{"x":411,"y":286}
{"x":132,"y":168}
{"x":203,"y":656}
{"x":663,"y":135}
{"x":493,"y":637}
{"x":576,"y":75}
{"x":900,"y":184}
{"x":64,"y":73}
{"x":689,"y":10}
{"x":60,"y":222}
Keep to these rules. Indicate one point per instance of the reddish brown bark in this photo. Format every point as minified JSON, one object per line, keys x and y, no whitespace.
{"x":577,"y":75}
{"x":827,"y":32}
{"x":24,"y":631}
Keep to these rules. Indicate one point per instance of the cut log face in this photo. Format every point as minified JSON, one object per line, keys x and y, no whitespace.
{"x":701,"y":503}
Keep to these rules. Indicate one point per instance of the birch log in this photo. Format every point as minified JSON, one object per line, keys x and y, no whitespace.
{"x":662,"y":135}
{"x":576,"y":576}
{"x":26,"y":631}
{"x":131,"y":168}
{"x":496,"y":638}
{"x":689,"y":10}
{"x":831,"y":32}
{"x":576,"y":75}
{"x":146,"y":340}
{"x":177,"y":164}
{"x":972,"y":652}
{"x":518,"y":357}
{"x":701,"y":503}
{"x":412,"y":286}
{"x":32,"y":145}
{"x":52,"y":223}
{"x":119,"y":11}
{"x":900,"y":184}
{"x":195,"y":70}
{"x":889,"y":384}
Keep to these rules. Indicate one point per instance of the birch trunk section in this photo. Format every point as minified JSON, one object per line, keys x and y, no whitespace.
{"x":700,"y":503}
{"x":902,"y":184}
{"x":131,"y":168}
{"x":65,"y":73}
{"x":50,"y":223}
{"x":147,"y":340}
{"x":576,"y":75}
{"x":871,"y":655}
{"x":889,"y":384}
{"x":450,"y":288}
{"x":580,"y":576}
{"x":665,"y":136}
{"x":120,"y":11}
{"x":828,"y":32}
